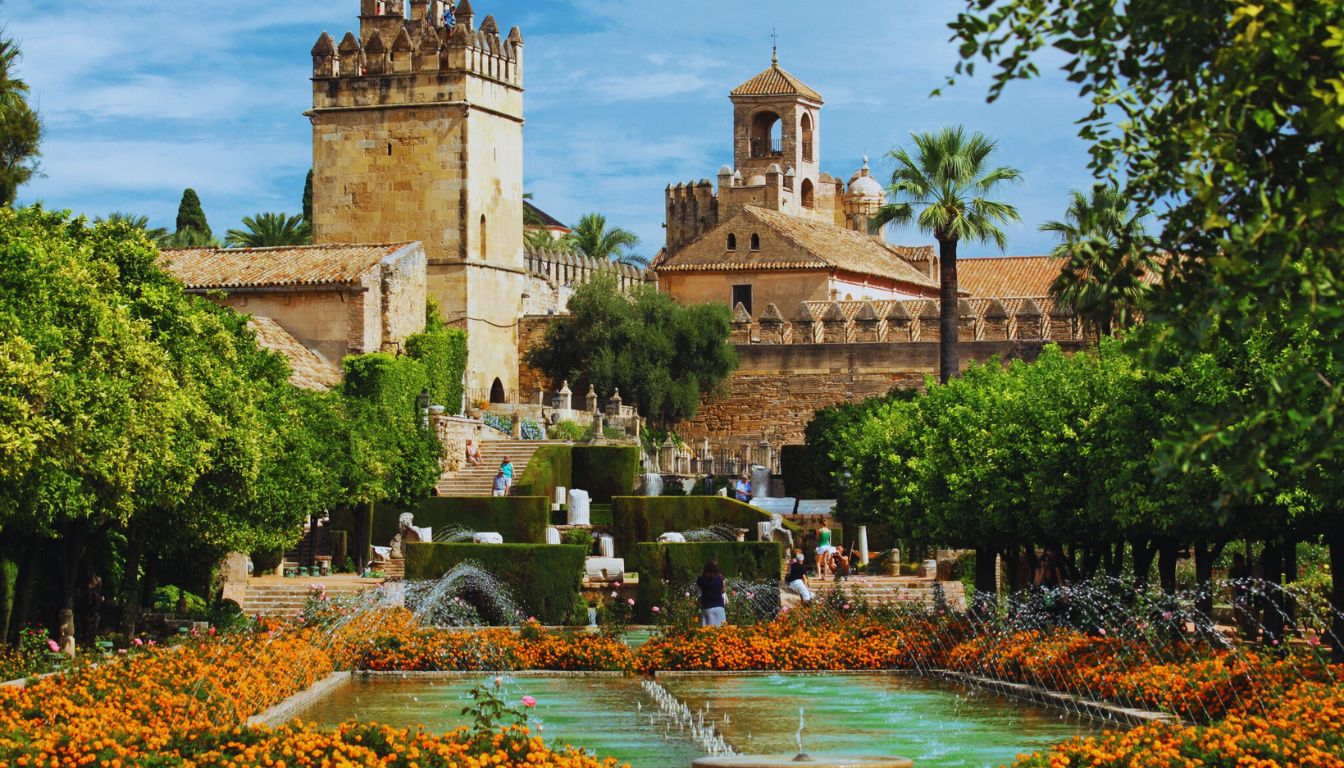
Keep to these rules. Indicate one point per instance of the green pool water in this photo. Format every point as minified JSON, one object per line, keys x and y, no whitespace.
{"x":934,"y":723}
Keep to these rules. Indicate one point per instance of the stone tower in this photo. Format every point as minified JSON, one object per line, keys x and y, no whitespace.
{"x":777,"y":127}
{"x":418,"y":135}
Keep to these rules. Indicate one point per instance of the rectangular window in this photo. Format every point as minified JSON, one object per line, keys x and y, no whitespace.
{"x":742,"y":295}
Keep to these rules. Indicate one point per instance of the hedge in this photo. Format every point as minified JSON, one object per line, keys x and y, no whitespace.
{"x":545,"y":578}
{"x":604,"y":471}
{"x":548,"y":469}
{"x":443,"y":353}
{"x":357,"y":522}
{"x":519,"y":519}
{"x":660,"y":565}
{"x":635,"y":519}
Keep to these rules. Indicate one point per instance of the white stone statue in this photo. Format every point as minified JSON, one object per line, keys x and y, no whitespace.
{"x":487,"y":537}
{"x":671,"y":537}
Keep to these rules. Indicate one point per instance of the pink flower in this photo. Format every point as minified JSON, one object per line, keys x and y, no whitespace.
{"x":846,"y":606}
{"x":121,"y":650}
{"x":151,"y":642}
{"x":655,"y":609}
{"x":1313,"y":641}
{"x":618,"y":583}
{"x":53,"y":646}
{"x":138,"y":641}
{"x":212,"y":631}
{"x":528,"y":701}
{"x":1166,"y":615}
{"x":688,"y":594}
{"x":630,"y":601}
{"x":613,"y":593}
{"x":1102,"y":630}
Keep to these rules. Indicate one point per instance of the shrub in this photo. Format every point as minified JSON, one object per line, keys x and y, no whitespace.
{"x":604,"y":471}
{"x":545,"y":579}
{"x":519,"y":519}
{"x":644,"y":518}
{"x":167,"y":599}
{"x":548,"y":469}
{"x":568,"y":430}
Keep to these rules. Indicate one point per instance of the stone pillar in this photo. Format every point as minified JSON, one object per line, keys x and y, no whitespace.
{"x":996,"y":321}
{"x":614,"y":408}
{"x":900,"y":325}
{"x":541,"y":396}
{"x":760,"y":482}
{"x":665,"y":460}
{"x":869,"y":326}
{"x":774,"y":329}
{"x":591,"y":400}
{"x":965,"y":321}
{"x":806,"y":327}
{"x":741,"y":325}
{"x":516,"y":426}
{"x":927,"y":326}
{"x":566,"y":397}
{"x":834,"y":325}
{"x":599,"y":425}
{"x":1029,"y":324}
{"x":863,"y":544}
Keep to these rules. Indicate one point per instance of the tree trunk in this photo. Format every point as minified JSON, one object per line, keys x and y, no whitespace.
{"x":1289,"y":576}
{"x":1143,"y":561}
{"x":1336,"y":542}
{"x":1166,"y":566}
{"x":1271,"y":565}
{"x":1115,"y":559}
{"x":1091,"y":561}
{"x":1204,"y":557}
{"x":986,"y":589}
{"x":949,"y":365}
{"x":23,"y":591}
{"x":130,"y":582}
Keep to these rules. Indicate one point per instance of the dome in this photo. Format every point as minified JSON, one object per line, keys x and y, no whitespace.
{"x":866,"y":186}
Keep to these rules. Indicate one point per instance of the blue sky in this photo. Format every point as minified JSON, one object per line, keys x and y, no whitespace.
{"x":142,"y":99}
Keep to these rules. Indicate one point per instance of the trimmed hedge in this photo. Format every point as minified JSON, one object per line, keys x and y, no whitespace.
{"x":357,"y":522}
{"x":519,"y":519}
{"x":660,"y":565}
{"x":604,"y":471}
{"x":544,"y":578}
{"x":548,"y":469}
{"x":635,"y":519}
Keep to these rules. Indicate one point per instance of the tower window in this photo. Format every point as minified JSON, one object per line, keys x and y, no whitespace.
{"x":766,"y":135}
{"x":732,"y":242}
{"x":807,"y":193}
{"x":389,"y":149}
{"x":807,"y":137}
{"x":755,"y":242}
{"x":483,"y":240}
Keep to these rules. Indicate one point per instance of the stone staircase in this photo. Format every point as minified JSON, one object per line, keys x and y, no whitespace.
{"x":479,"y":481}
{"x":891,"y":590}
{"x":276,"y":596}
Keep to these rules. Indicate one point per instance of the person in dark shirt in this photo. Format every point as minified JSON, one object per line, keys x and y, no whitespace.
{"x":840,"y":564}
{"x":713,"y":605}
{"x":796,"y":577}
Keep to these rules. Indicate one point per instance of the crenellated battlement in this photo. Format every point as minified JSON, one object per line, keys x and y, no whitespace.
{"x":851,"y":322}
{"x":411,"y":59}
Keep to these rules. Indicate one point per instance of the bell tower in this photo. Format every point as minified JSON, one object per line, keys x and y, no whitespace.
{"x":777,"y":122}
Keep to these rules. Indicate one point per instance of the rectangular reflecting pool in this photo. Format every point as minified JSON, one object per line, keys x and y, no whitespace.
{"x":936,"y":724}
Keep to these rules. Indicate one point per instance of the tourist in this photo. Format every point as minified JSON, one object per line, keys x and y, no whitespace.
{"x":742,"y":489}
{"x":506,"y":467}
{"x":473,"y":454}
{"x":712,"y":601}
{"x":824,"y":550}
{"x":840,"y":564}
{"x":501,"y":485}
{"x":796,"y":577}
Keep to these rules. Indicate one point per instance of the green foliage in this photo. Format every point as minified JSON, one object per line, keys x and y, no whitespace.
{"x":592,"y":238}
{"x":661,"y":566}
{"x":519,"y":519}
{"x":568,"y":430}
{"x":541,"y":240}
{"x":1109,"y":254}
{"x":265,"y":230}
{"x":168,"y":598}
{"x":491,"y":716}
{"x":392,"y":458}
{"x":579,"y":537}
{"x":191,"y":218}
{"x":604,"y":471}
{"x":443,"y":353}
{"x":636,"y":519}
{"x":308,"y":199}
{"x":663,"y":356}
{"x":544,"y":578}
{"x":943,"y":189}
{"x":1227,"y":118}
{"x":20,"y":128}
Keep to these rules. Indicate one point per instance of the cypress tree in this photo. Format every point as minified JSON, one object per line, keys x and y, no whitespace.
{"x":308,"y":198}
{"x":190,"y":215}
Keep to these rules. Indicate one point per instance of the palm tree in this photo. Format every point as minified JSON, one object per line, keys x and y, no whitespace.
{"x":1109,"y":253}
{"x":191,"y":238}
{"x":269,"y":229}
{"x":592,"y":238}
{"x":541,"y":240}
{"x":942,"y":190}
{"x":157,"y":235}
{"x":12,"y":90}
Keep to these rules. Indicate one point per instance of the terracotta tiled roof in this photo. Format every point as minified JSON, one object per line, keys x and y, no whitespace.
{"x":284,"y":266}
{"x":308,"y":369}
{"x":823,"y":246}
{"x":775,"y":82}
{"x":1008,"y":276}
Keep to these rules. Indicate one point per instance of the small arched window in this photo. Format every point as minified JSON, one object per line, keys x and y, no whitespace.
{"x":807,"y":193}
{"x":497,"y":392}
{"x":807,"y":137}
{"x":483,"y":239}
{"x":732,"y":242}
{"x":755,"y":242}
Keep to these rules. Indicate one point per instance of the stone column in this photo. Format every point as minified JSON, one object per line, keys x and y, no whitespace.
{"x":516,"y":426}
{"x":591,"y":399}
{"x":566,"y":397}
{"x":863,"y":544}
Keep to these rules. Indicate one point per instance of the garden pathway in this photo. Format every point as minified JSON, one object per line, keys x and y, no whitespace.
{"x":477,"y":481}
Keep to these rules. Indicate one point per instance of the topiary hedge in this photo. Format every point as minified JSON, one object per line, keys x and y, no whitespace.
{"x":663,"y":565}
{"x":548,"y":469}
{"x":519,"y":519}
{"x":604,"y":471}
{"x":544,"y":578}
{"x":635,"y":519}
